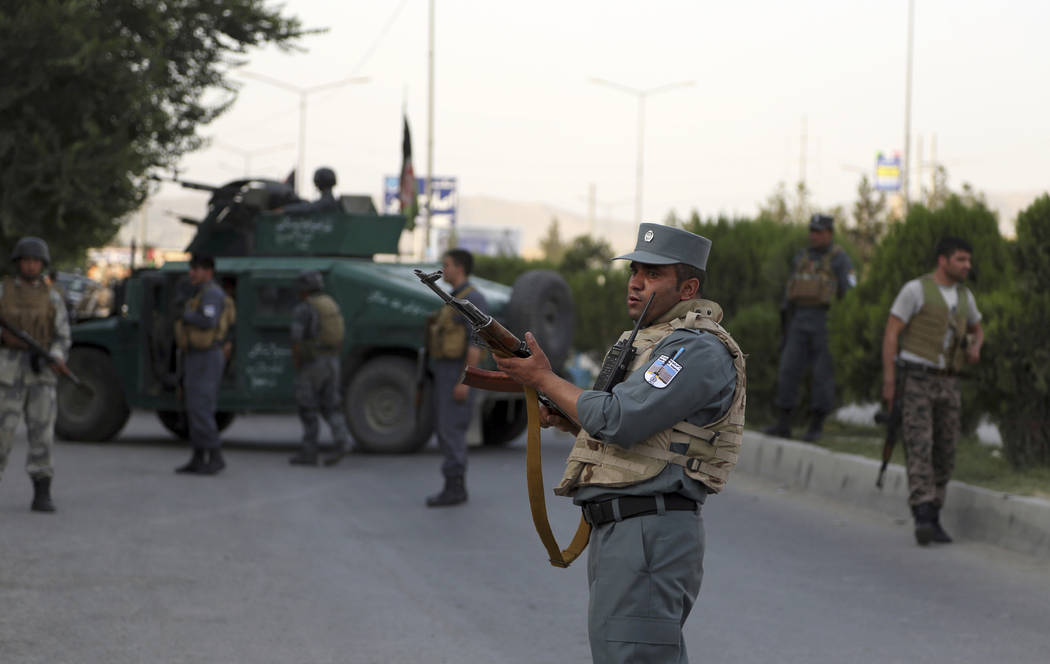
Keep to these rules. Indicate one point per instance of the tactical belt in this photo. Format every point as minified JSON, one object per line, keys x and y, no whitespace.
{"x":922,"y":368}
{"x":625,"y":507}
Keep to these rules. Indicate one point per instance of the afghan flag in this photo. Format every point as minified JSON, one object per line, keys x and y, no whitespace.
{"x":407,"y":189}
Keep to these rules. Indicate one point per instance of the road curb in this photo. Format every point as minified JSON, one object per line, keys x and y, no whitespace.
{"x":1016,"y":523}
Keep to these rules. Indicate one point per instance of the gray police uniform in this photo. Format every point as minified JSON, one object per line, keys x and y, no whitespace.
{"x":645,"y":572}
{"x":452,"y":417}
{"x":806,"y":343}
{"x":29,"y":391}
{"x":649,"y":452}
{"x":318,"y":389}
{"x":203,"y":369}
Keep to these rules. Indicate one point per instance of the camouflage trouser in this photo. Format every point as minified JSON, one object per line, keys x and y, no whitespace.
{"x":929,"y":430}
{"x":36,"y":401}
{"x":318,"y":392}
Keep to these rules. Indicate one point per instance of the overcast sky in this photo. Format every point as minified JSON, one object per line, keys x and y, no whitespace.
{"x":518,"y":117}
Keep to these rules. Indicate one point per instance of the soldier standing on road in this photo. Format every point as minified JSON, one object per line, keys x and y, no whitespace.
{"x":317,"y":339}
{"x":200,"y":333}
{"x":452,"y":348}
{"x":924,"y":347}
{"x":324,"y":180}
{"x":821,"y":274}
{"x":649,"y":452}
{"x":27,"y":387}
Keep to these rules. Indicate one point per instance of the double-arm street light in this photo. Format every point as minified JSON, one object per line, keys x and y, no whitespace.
{"x":303,"y":93}
{"x":641,"y":94}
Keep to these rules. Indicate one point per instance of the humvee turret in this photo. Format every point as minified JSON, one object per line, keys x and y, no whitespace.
{"x":129,"y":359}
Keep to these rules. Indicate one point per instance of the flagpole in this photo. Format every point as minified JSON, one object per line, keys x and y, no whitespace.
{"x":430,"y":132}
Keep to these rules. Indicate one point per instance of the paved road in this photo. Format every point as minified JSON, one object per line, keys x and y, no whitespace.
{"x":271,"y":563}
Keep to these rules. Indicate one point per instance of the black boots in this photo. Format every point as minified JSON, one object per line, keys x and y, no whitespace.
{"x":783,"y":426}
{"x":924,"y":515}
{"x":42,"y":495}
{"x":816,"y":427}
{"x":928,"y":525}
{"x":203,"y":464}
{"x":196,"y":462}
{"x":939,"y":535}
{"x":454,"y":493}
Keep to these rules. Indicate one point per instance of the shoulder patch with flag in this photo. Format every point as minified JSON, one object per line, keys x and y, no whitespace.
{"x":661,"y":372}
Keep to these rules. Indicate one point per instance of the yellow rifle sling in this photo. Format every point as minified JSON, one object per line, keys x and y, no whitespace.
{"x":534,"y":475}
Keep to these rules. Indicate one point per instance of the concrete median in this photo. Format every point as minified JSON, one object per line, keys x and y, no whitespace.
{"x":1016,"y":523}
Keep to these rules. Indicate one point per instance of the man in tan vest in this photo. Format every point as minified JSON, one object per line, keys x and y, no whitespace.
{"x":924,"y":347}
{"x":27,"y":385}
{"x":650,"y":449}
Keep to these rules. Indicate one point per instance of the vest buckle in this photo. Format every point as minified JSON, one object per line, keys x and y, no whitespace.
{"x":693,"y":464}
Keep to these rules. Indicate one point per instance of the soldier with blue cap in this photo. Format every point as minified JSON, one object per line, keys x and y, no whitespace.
{"x":822,"y":273}
{"x":649,"y":450}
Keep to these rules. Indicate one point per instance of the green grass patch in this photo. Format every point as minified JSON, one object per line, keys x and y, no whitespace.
{"x":977,"y":464}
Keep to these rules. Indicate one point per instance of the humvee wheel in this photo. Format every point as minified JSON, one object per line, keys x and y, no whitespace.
{"x":98,"y":411}
{"x":541,"y":303}
{"x":503,"y":421}
{"x":175,"y":421}
{"x":380,"y":406}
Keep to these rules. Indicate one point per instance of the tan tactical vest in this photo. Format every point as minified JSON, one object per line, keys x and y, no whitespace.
{"x":196,"y":338}
{"x":447,"y":337}
{"x":814,"y":283}
{"x":713,"y":449}
{"x":924,"y":334}
{"x":27,"y":305}
{"x":330,"y":332}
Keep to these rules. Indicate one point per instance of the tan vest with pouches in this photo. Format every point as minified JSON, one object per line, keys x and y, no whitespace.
{"x":28,"y":307}
{"x":713,"y":449}
{"x":331,"y":329}
{"x":191,"y":337}
{"x":447,"y":338}
{"x":814,"y":284}
{"x":924,"y":334}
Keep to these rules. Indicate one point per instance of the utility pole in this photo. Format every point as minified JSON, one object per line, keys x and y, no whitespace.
{"x":802,"y":154}
{"x":906,"y":174}
{"x":430,"y":133}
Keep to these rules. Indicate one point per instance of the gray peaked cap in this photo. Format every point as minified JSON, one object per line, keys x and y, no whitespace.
{"x":665,"y":245}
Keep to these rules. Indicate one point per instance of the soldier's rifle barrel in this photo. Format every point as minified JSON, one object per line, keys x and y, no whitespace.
{"x":41,"y":352}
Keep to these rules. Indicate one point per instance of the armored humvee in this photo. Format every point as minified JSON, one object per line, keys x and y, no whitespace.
{"x":129,"y":359}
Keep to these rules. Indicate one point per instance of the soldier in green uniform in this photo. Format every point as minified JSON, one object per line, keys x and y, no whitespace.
{"x":925,"y":345}
{"x":649,"y":451}
{"x":27,"y":386}
{"x":822,"y":273}
{"x":317,"y":339}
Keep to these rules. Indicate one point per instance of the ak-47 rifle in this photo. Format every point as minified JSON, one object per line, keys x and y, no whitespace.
{"x":497,"y":338}
{"x":892,"y":420}
{"x":40,"y":352}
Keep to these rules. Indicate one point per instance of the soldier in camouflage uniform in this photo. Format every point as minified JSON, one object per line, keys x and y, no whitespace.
{"x":933,"y":329}
{"x":649,"y":451}
{"x":27,"y":386}
{"x":317,"y":338}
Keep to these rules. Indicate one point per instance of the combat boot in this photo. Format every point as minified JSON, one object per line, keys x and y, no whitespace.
{"x":196,"y":462}
{"x":214,"y":464}
{"x":42,"y":495}
{"x":454,"y":493}
{"x":939,"y":535}
{"x":816,"y":427}
{"x":924,"y":515}
{"x":783,"y":426}
{"x":303,"y":458}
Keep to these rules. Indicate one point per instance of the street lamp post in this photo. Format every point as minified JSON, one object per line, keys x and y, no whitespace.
{"x":303,"y":93}
{"x":641,"y":94}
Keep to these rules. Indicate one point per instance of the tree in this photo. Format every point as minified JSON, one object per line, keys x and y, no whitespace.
{"x":776,"y":206}
{"x":586,"y":253}
{"x":869,"y":215}
{"x":98,"y":95}
{"x":552,"y":245}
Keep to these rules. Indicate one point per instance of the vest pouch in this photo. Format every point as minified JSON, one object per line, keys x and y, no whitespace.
{"x":810,"y":290}
{"x":447,"y":338}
